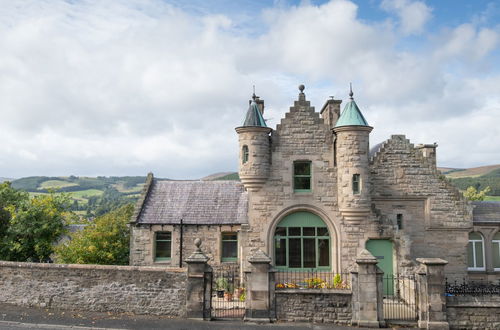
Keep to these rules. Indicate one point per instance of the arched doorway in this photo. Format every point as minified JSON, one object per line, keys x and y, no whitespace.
{"x":302,"y":242}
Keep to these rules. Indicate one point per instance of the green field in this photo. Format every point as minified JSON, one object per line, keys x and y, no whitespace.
{"x":56,"y":184}
{"x":492,"y":198}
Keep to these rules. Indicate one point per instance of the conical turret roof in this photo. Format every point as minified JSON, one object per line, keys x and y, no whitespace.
{"x":351,"y":115}
{"x":254,"y":116}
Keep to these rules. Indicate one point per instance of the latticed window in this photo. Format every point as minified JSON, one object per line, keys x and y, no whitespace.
{"x":356,"y":184}
{"x":475,"y":252}
{"x":229,"y":246}
{"x":244,"y":152}
{"x":163,"y":245}
{"x":495,"y":253}
{"x":302,"y":241}
{"x":302,"y":176}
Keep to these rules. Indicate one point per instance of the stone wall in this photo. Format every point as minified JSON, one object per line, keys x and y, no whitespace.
{"x":473,"y":312}
{"x":314,"y":306}
{"x":137,"y":290}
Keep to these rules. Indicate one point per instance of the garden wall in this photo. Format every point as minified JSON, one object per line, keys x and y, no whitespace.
{"x":138,"y":290}
{"x":473,"y":312}
{"x":314,"y":305}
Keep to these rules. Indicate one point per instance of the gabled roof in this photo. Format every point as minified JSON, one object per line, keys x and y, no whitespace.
{"x":195,"y":202}
{"x":351,"y":116}
{"x":254,"y":116}
{"x":486,"y":211}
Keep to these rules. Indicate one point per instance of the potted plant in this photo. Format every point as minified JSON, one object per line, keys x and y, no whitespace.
{"x":220,"y":286}
{"x":228,"y":295}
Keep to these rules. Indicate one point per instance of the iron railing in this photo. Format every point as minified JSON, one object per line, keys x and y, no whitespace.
{"x":472,"y":287}
{"x":311,"y":279}
{"x":400,"y":297}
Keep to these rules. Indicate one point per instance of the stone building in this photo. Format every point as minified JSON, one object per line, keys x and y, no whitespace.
{"x":312,"y":195}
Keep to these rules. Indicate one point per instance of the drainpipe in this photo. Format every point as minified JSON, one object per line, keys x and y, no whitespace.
{"x":180,"y":247}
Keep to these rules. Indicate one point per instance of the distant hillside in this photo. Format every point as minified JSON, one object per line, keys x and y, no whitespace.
{"x":468,"y":172}
{"x":5,"y":179}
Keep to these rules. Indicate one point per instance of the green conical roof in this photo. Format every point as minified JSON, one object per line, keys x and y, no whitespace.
{"x":254,"y":116}
{"x":351,"y":116}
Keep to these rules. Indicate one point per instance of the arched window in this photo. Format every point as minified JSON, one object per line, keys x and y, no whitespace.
{"x":244,"y":152}
{"x":302,"y":241}
{"x":475,"y":252}
{"x":495,"y":253}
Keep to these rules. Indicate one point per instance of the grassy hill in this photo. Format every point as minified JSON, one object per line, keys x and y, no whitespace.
{"x":478,"y":177}
{"x":454,"y":173}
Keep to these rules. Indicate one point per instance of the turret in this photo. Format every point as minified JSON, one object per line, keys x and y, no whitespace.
{"x":352,"y":143}
{"x":255,"y":153}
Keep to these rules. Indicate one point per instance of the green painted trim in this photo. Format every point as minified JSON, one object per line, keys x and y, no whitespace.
{"x":162,"y":259}
{"x":302,"y":219}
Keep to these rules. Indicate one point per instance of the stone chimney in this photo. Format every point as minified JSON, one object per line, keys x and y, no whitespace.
{"x":331,"y":112}
{"x":428,"y":151}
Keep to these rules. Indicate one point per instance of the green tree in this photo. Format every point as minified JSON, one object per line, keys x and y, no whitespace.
{"x":104,"y":240}
{"x":30,"y":227}
{"x":474,"y":195}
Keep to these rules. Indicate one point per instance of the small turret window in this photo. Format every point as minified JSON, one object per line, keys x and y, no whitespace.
{"x":302,"y":176}
{"x":244,"y":156}
{"x":356,"y":184}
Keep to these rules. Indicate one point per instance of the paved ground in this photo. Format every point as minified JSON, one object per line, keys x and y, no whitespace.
{"x":13,"y":317}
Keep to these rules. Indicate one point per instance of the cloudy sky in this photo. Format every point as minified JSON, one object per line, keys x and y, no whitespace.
{"x":128,"y":87}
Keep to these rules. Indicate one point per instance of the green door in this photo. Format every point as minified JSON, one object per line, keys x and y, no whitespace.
{"x":382,"y":250}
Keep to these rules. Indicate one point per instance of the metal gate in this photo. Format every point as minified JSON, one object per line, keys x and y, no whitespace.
{"x":228,"y":294}
{"x":400,"y":298}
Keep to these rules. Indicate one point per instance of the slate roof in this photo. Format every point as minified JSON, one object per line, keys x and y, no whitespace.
{"x":254,"y":116}
{"x":486,"y":211}
{"x":196,"y":202}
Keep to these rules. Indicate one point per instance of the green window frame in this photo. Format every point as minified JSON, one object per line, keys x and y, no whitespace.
{"x":163,"y":245}
{"x":475,"y":252}
{"x":302,"y":176}
{"x":356,"y":184}
{"x":302,"y":242}
{"x":229,"y":247}
{"x":495,"y":253}
{"x":244,"y":156}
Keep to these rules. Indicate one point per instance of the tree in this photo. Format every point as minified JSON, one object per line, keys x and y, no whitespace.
{"x":474,"y":195}
{"x":30,"y":226}
{"x":104,"y":240}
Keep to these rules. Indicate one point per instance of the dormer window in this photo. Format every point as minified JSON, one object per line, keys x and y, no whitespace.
{"x":356,"y":184}
{"x":244,"y":152}
{"x":302,"y":176}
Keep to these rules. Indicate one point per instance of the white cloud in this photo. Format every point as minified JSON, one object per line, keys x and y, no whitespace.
{"x":413,"y":15}
{"x":125,"y":88}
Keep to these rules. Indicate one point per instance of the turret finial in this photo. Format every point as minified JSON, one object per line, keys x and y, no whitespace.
{"x":350,"y":91}
{"x":254,"y":97}
{"x":301,"y":88}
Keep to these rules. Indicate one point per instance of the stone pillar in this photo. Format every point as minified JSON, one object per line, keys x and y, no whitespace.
{"x":199,"y":284}
{"x":258,"y":280}
{"x":431,"y":290}
{"x":367,"y":292}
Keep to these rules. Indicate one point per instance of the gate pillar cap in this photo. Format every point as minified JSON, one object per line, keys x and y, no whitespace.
{"x":432,"y":261}
{"x":198,"y":256}
{"x":259,"y":257}
{"x":365,"y":257}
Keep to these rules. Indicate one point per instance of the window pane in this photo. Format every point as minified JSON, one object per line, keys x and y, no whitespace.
{"x":479,"y":254}
{"x":496,"y":254}
{"x":294,"y":255}
{"x":302,"y":168}
{"x":294,"y":231}
{"x":162,"y":249}
{"x":309,"y":253}
{"x":475,"y":236}
{"x":164,"y":236}
{"x":355,"y":183}
{"x":229,"y":237}
{"x":309,"y":231}
{"x":229,"y":249}
{"x":280,"y":231}
{"x":470,"y":255}
{"x":322,"y":231}
{"x":324,"y":252}
{"x":280,"y":251}
{"x":302,"y":183}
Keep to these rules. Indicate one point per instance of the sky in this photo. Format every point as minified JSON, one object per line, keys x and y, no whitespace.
{"x":129,"y":87}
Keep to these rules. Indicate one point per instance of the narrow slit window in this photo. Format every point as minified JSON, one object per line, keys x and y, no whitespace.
{"x":163,"y":246}
{"x":399,"y":221}
{"x":302,"y":176}
{"x":244,"y":152}
{"x":356,"y":184}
